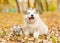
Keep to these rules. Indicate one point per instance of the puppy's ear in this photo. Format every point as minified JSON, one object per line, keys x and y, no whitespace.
{"x":25,"y":12}
{"x":36,"y":10}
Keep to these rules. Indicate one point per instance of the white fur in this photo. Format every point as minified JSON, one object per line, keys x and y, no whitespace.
{"x":35,"y":26}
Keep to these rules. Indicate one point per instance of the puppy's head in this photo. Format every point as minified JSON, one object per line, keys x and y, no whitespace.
{"x":31,"y":15}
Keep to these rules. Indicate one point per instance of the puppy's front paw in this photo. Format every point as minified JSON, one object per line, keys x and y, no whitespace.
{"x":26,"y":33}
{"x":36,"y":35}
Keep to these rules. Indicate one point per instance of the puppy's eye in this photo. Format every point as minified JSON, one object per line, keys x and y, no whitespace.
{"x":35,"y":12}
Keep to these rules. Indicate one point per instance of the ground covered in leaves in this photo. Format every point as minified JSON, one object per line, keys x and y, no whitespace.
{"x":53,"y":22}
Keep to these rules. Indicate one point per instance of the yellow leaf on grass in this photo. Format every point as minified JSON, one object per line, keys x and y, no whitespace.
{"x":54,"y":39}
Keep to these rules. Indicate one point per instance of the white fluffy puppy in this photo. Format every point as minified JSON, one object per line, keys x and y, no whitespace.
{"x":34,"y":24}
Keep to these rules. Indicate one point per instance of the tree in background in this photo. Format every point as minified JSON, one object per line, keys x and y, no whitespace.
{"x":58,"y":2}
{"x":18,"y":7}
{"x":46,"y":5}
{"x":28,"y":4}
{"x":6,"y":2}
{"x":35,"y":3}
{"x":0,"y":1}
{"x":40,"y":7}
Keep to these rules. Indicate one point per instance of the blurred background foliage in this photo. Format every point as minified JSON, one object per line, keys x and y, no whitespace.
{"x":22,"y":5}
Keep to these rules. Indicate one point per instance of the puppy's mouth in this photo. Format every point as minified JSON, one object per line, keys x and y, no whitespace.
{"x":31,"y":18}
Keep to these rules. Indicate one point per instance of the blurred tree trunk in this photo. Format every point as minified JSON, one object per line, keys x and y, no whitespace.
{"x":58,"y":2}
{"x":35,"y":3}
{"x":40,"y":6}
{"x":18,"y":6}
{"x":6,"y":2}
{"x":28,"y":4}
{"x":0,"y":1}
{"x":46,"y":5}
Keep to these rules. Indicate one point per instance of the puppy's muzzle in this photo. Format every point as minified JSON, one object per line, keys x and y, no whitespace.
{"x":32,"y":17}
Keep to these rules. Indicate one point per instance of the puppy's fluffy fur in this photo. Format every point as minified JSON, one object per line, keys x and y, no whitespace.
{"x":34,"y":24}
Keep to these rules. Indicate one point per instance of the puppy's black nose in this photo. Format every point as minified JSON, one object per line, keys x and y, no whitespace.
{"x":32,"y":15}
